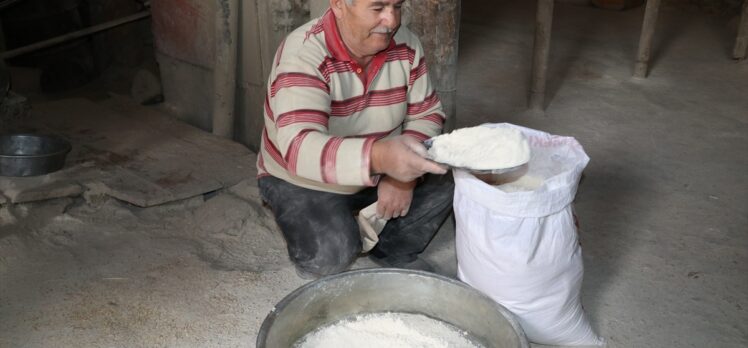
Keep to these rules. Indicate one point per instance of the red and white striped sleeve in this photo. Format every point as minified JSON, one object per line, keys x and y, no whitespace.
{"x":299,"y":100}
{"x":424,"y":118}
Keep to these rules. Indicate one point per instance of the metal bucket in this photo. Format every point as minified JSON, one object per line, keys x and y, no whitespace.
{"x":29,"y":155}
{"x":330,"y":299}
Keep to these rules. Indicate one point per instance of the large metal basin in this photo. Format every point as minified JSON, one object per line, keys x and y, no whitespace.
{"x":341,"y":296}
{"x":29,"y":155}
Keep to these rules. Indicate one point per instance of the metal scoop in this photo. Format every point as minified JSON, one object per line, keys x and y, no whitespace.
{"x":428,"y":142}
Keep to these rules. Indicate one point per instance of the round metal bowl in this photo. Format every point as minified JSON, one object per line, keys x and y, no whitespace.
{"x":29,"y":155}
{"x":342,"y":296}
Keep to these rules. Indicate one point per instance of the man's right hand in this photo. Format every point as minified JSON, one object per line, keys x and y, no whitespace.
{"x":402,"y":158}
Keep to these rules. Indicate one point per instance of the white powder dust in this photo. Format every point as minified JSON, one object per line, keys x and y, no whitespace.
{"x":524,"y":183}
{"x":481,"y":148}
{"x":391,"y":330}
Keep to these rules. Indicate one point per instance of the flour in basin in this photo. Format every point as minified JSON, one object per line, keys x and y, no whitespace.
{"x":391,"y":330}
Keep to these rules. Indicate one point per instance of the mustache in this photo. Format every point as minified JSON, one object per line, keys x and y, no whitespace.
{"x":382,"y":30}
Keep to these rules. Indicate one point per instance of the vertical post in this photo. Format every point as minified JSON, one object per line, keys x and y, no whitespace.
{"x":741,"y":42}
{"x":437,"y":24}
{"x":541,"y":49}
{"x":224,"y":72}
{"x":645,"y":41}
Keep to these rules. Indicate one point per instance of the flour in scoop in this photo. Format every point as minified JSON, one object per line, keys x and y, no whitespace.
{"x":391,"y":330}
{"x":481,"y":148}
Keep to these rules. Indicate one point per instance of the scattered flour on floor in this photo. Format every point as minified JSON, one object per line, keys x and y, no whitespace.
{"x":391,"y":330}
{"x":524,"y":183}
{"x":481,"y":148}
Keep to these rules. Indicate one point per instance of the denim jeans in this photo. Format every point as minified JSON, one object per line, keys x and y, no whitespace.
{"x":322,"y":234}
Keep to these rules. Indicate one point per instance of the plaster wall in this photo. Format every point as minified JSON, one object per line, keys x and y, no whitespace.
{"x":184,"y":39}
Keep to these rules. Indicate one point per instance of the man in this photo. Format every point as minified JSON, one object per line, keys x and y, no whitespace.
{"x":348,"y":105}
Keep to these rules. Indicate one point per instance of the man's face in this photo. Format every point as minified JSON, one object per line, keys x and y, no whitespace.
{"x":367,"y":26}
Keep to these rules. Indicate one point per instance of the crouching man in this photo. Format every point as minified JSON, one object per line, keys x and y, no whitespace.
{"x":348,"y":104}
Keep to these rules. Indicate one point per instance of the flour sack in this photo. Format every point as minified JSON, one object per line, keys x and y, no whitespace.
{"x":518,"y":243}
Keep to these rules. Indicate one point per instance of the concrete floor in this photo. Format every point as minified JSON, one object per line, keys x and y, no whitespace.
{"x":663,"y":205}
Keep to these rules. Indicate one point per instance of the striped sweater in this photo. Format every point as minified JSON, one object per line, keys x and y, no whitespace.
{"x":323,"y":112}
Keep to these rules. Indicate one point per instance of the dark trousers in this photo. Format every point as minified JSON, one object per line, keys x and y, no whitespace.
{"x":323,"y":236}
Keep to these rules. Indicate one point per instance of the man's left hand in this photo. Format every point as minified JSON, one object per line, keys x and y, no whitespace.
{"x":394,"y":197}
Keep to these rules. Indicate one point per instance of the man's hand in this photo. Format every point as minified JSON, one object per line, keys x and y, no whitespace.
{"x":394,"y":197}
{"x":402,"y":158}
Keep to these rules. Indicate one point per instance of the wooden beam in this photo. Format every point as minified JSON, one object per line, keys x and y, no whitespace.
{"x":437,"y":24}
{"x":741,"y":43}
{"x":645,"y":40}
{"x":543,"y":24}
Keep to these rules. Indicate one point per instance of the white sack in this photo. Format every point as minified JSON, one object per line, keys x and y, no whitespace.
{"x":521,"y":248}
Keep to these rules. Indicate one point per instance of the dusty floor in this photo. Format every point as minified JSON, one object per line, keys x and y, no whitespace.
{"x":663,"y":205}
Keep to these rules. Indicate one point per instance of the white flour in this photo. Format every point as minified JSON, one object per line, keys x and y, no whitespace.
{"x":481,"y":148}
{"x":391,"y":330}
{"x":524,"y":183}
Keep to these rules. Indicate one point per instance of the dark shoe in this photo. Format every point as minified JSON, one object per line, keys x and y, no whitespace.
{"x":418,"y":264}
